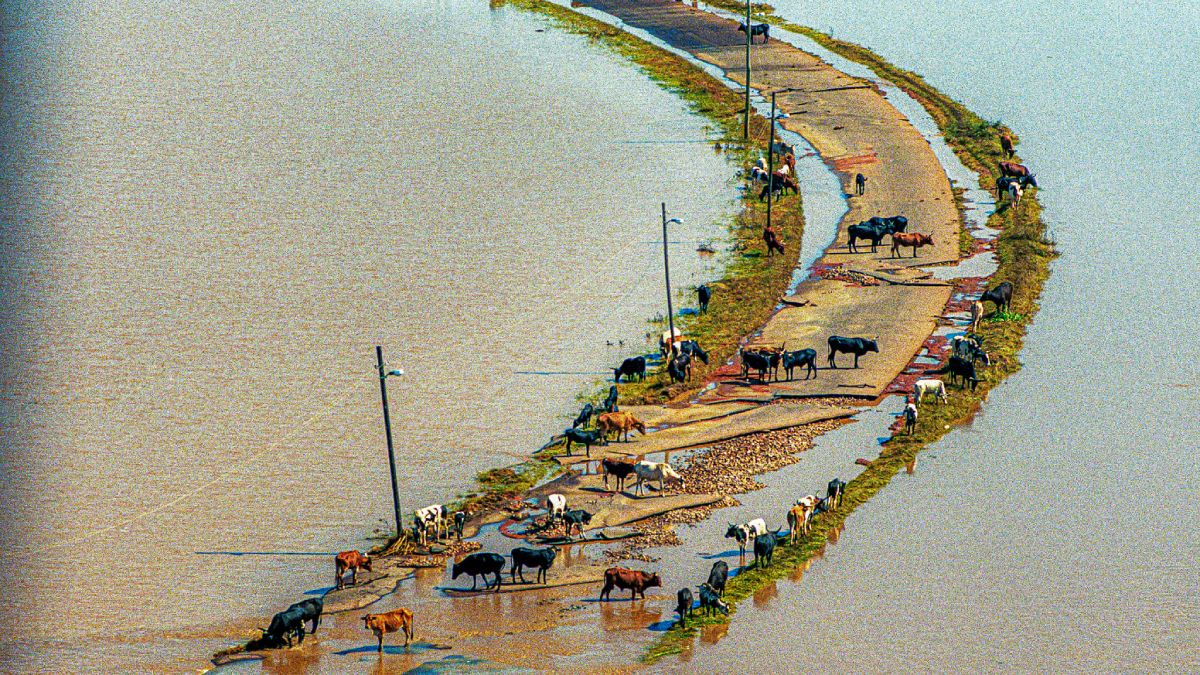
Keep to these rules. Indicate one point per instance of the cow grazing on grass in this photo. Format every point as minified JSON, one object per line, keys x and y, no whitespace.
{"x":910,"y":418}
{"x":650,"y":471}
{"x":745,"y":532}
{"x":1006,"y":146}
{"x":1001,"y":295}
{"x":968,"y":347}
{"x":351,"y":561}
{"x":703,"y":296}
{"x":556,"y":506}
{"x":585,"y":416}
{"x":764,"y":548}
{"x":619,"y":470}
{"x":397,"y":620}
{"x":929,"y":386}
{"x":692,"y":348}
{"x":680,"y":368}
{"x":586,"y":438}
{"x":914,"y":239}
{"x":635,"y":581}
{"x":621,"y":423}
{"x":460,"y":519}
{"x":762,"y":29}
{"x":771,"y":239}
{"x":610,"y":403}
{"x":959,"y":368}
{"x":1015,"y":193}
{"x":834,"y":491}
{"x":684,"y":605}
{"x":541,"y":558}
{"x":718,"y":576}
{"x":631,"y":368}
{"x":576,"y":518}
{"x":480,"y":564}
{"x":1014,"y":169}
{"x":800,"y":359}
{"x":860,"y":184}
{"x":855,"y":346}
{"x":710,"y":602}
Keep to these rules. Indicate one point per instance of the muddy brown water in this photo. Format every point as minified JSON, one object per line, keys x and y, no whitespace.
{"x":213,"y":214}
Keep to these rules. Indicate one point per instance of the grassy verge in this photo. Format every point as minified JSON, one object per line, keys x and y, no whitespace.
{"x":1024,"y":255}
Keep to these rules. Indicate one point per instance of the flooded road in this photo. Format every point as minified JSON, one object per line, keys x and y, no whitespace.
{"x":1060,"y":531}
{"x":212,"y":215}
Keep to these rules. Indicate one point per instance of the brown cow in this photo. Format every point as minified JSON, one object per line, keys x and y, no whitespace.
{"x":619,"y":422}
{"x":913,"y":239}
{"x":634,"y":580}
{"x":771,"y":239}
{"x":1013,"y":169}
{"x":620,"y":470}
{"x":1006,"y":144}
{"x":390,"y":622}
{"x":350,"y":560}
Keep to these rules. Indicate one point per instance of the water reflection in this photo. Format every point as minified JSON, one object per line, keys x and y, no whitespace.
{"x":764,"y":595}
{"x":623,"y":615}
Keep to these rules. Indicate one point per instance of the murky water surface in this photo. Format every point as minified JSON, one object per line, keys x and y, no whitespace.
{"x":212,"y":213}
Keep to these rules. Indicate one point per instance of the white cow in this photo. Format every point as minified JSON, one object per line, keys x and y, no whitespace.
{"x":556,"y":505}
{"x":976,"y":315}
{"x":435,"y":515}
{"x":801,"y":515}
{"x":1014,"y":193}
{"x":659,"y":471}
{"x":922,"y":387}
{"x":746,"y":532}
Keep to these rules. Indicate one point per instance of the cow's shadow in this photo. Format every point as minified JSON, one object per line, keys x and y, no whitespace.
{"x":723,"y":554}
{"x":412,"y":648}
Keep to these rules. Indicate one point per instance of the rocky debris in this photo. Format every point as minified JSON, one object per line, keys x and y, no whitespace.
{"x":457,"y":548}
{"x":729,"y":466}
{"x":839,"y":273}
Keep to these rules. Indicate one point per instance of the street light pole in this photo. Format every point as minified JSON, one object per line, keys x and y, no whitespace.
{"x":667,"y":273}
{"x":746,"y":119}
{"x":771,"y":162}
{"x":387,"y":426}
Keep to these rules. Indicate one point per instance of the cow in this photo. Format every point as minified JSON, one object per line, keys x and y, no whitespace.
{"x":1000,"y":295}
{"x":680,"y":368}
{"x":1006,"y":146}
{"x":585,"y":416}
{"x":745,"y":532}
{"x":892,"y":224}
{"x":789,"y":161}
{"x":914,"y":239}
{"x":762,"y":29}
{"x":703,"y":296}
{"x":1003,"y":183}
{"x":874,"y":230}
{"x":620,"y":422}
{"x":967,"y":347}
{"x":659,"y":471}
{"x":692,"y":348}
{"x":771,"y":239}
{"x":610,"y":403}
{"x":635,"y":581}
{"x":433,"y":515}
{"x":284,"y":625}
{"x":855,"y":346}
{"x":556,"y":506}
{"x":800,"y":359}
{"x":834,"y":492}
{"x":929,"y":386}
{"x":391,"y":622}
{"x":1013,"y":169}
{"x":585,"y":438}
{"x":800,"y":515}
{"x":711,"y":602}
{"x":541,"y":558}
{"x":477,"y":564}
{"x":684,"y":605}
{"x":752,"y":360}
{"x":778,"y":184}
{"x":460,"y":519}
{"x":576,"y":518}
{"x":783,"y":148}
{"x":976,"y":315}
{"x":718,"y":576}
{"x":860,"y":184}
{"x":1014,"y":194}
{"x":620,"y":470}
{"x":352,"y":561}
{"x":764,"y":548}
{"x":310,"y":610}
{"x":631,"y":368}
{"x":910,"y":418}
{"x":959,"y":368}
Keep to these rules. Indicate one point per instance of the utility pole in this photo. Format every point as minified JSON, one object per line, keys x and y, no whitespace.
{"x":746,"y":120}
{"x":667,"y":273}
{"x":771,"y":162}
{"x":387,"y":426}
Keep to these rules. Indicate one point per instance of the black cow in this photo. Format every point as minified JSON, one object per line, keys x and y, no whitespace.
{"x":703,"y":295}
{"x":855,"y":346}
{"x":1001,"y":295}
{"x":764,"y":548}
{"x":585,"y":415}
{"x":892,"y":224}
{"x":541,"y":558}
{"x":860,"y":184}
{"x":478,"y":564}
{"x":756,"y":361}
{"x":460,"y":519}
{"x":798,"y":359}
{"x":685,"y":605}
{"x":680,"y":368}
{"x":576,"y":518}
{"x":610,"y":403}
{"x":874,"y":230}
{"x":711,"y":602}
{"x":631,"y":367}
{"x":958,"y":367}
{"x":762,"y":29}
{"x":311,"y":609}
{"x":718,"y":576}
{"x":833,"y":492}
{"x":586,"y":438}
{"x":285,"y":624}
{"x":692,"y":348}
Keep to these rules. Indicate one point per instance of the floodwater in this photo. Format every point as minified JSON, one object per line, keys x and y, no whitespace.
{"x":212,"y":214}
{"x":1060,"y":531}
